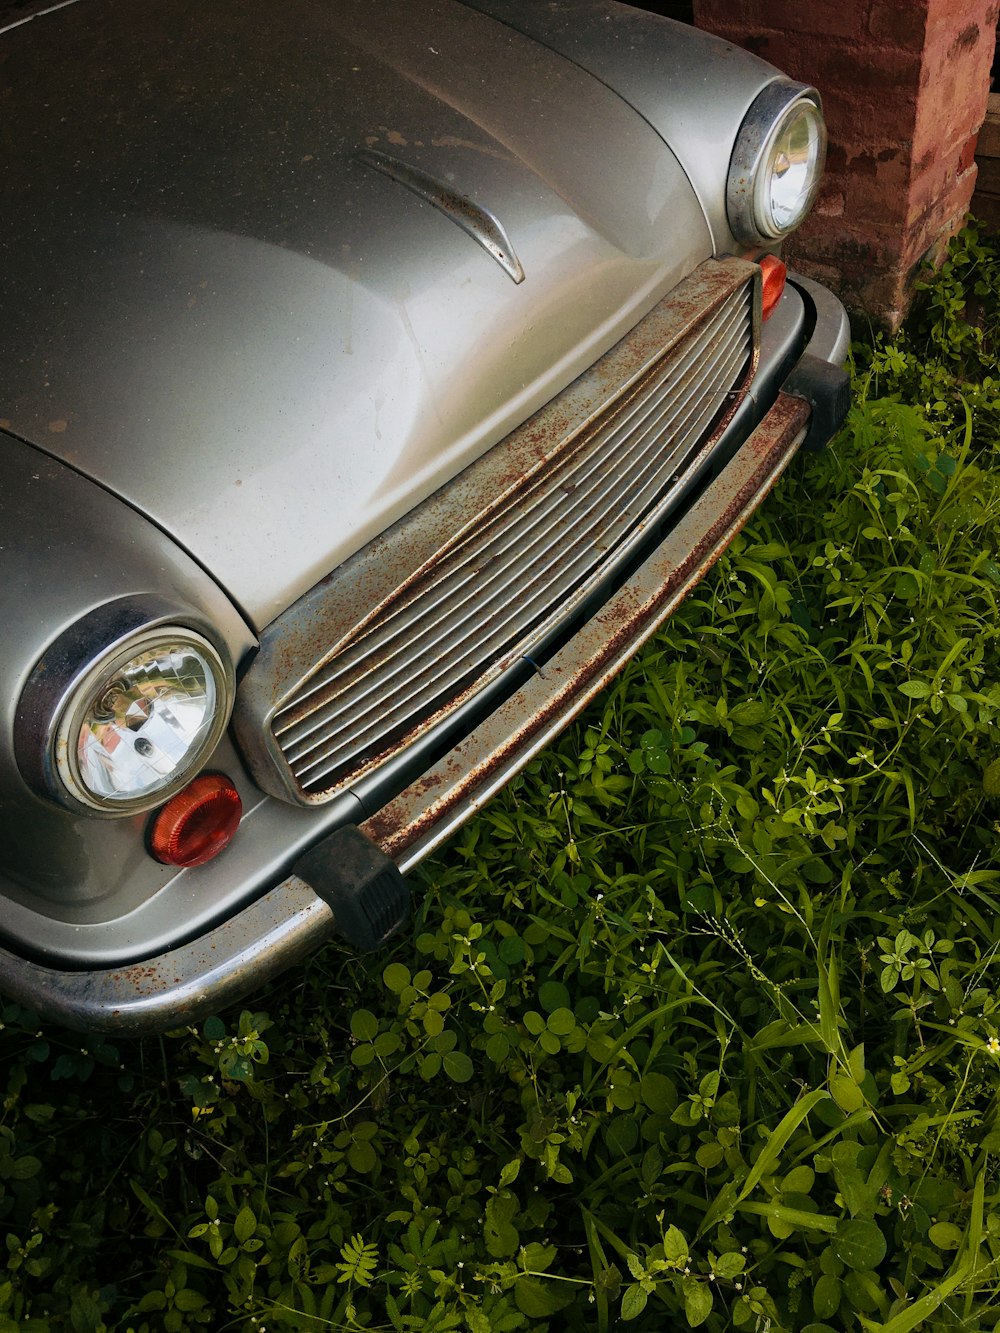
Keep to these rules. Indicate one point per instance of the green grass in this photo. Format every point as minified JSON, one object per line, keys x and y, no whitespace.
{"x":698,"y":1024}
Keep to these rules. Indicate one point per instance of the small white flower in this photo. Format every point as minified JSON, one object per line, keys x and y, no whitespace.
{"x":993,"y":1045}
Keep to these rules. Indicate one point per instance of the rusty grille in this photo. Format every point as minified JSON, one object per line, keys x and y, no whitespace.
{"x":519,"y":570}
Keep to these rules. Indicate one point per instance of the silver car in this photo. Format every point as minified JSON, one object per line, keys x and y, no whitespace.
{"x":375,"y":376}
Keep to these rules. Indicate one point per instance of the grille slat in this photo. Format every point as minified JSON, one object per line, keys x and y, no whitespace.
{"x":521,"y":568}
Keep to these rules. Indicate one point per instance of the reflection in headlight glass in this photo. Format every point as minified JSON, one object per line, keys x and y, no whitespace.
{"x":146,"y":722}
{"x":794,"y":161}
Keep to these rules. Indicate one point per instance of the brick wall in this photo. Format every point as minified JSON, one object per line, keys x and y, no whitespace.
{"x":904,"y":85}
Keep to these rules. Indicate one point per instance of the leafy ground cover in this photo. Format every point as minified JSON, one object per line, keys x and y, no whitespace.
{"x":698,"y":1024}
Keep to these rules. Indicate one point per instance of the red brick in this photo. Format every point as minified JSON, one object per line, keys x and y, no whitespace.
{"x":717,"y":15}
{"x":951,"y":109}
{"x":830,"y":204}
{"x":856,"y":65}
{"x":944,"y":51}
{"x":869,"y":118}
{"x":824,"y":273}
{"x":868,"y":201}
{"x":949,"y":206}
{"x":951,"y":194}
{"x":893,"y":176}
{"x":966,"y":40}
{"x":832,"y":18}
{"x":841,"y":242}
{"x":900,"y":25}
{"x":714,"y":14}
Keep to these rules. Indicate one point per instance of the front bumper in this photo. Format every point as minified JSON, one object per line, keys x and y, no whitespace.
{"x":292,"y":919}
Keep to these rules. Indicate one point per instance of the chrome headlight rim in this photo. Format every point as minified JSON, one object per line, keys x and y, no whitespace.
{"x":82,"y":702}
{"x":771,"y":114}
{"x":62,"y":685}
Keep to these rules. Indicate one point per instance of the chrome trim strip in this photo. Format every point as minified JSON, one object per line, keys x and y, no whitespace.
{"x":474,"y":220}
{"x":39,"y":13}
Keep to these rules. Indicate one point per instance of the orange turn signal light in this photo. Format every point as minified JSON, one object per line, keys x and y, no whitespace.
{"x":774,"y":274}
{"x":198,"y":823}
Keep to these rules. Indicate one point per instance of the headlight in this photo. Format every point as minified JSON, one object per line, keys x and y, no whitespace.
{"x":117,"y":723}
{"x":777,"y":163}
{"x":141,"y":720}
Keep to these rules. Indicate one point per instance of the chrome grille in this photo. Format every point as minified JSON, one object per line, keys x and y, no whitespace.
{"x":520,"y":568}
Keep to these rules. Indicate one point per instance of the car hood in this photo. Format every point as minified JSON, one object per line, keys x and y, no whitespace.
{"x":231,"y":297}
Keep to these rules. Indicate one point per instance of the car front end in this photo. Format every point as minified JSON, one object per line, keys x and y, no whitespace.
{"x":362,"y":415}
